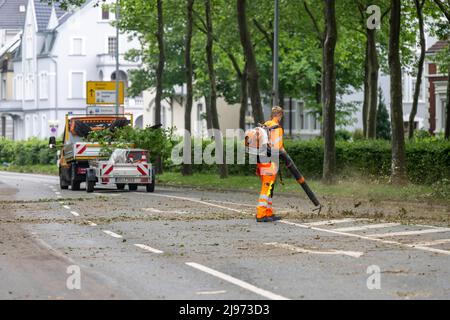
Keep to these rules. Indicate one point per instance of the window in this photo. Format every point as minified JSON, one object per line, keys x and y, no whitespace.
{"x":3,"y":90}
{"x":29,"y":87}
{"x":29,"y":49}
{"x":44,"y":127}
{"x":112,"y":46}
{"x":43,"y":86}
{"x":444,"y":114}
{"x":21,"y":8}
{"x":76,"y":85}
{"x":18,"y":86}
{"x":77,"y":47}
{"x":105,"y":12}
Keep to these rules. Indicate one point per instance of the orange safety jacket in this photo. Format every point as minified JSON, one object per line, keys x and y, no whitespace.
{"x":276,"y":143}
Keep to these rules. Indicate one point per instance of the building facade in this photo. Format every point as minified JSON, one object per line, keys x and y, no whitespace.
{"x":57,"y":55}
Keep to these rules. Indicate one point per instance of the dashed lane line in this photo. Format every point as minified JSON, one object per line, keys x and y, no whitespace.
{"x":354,"y":254}
{"x":76,"y":214}
{"x":147,"y":248}
{"x":367,"y":227}
{"x":211,"y":292}
{"x":237,"y":282}
{"x":201,"y":202}
{"x":112,"y":234}
{"x":66,"y":207}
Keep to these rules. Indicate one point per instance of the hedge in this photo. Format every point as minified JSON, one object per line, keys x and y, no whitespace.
{"x":23,"y":153}
{"x":428,"y":160}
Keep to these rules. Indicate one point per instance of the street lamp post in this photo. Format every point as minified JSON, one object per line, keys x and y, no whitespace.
{"x":275,"y":90}
{"x":117,"y":58}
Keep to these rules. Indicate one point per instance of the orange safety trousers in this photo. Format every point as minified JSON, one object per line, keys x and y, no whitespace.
{"x":268,"y":174}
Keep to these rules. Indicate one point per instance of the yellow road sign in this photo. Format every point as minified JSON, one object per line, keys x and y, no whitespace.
{"x":103,"y":92}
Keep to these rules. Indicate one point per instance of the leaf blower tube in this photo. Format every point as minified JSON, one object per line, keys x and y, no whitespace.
{"x":299,"y":177}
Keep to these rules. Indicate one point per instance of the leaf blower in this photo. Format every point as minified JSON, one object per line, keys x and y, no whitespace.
{"x":257,"y":143}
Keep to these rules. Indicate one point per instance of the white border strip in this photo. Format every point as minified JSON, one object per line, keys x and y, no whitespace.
{"x":112,"y":234}
{"x":354,"y":254}
{"x":147,"y":248}
{"x":367,"y":227}
{"x":237,"y":282}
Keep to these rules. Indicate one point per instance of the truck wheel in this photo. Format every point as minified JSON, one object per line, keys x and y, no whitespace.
{"x":62,"y":181}
{"x":151,"y":186}
{"x":120,"y":186}
{"x":132,"y":187}
{"x":90,"y":186}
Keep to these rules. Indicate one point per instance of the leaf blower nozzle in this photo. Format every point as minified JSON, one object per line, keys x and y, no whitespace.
{"x":300,"y":179}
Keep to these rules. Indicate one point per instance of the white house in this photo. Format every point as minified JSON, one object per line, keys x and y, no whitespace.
{"x":59,"y":52}
{"x":12,"y":18}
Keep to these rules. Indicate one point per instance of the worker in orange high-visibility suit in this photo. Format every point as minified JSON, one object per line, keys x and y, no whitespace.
{"x":268,"y":170}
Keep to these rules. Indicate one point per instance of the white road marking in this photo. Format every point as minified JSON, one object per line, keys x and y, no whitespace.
{"x":369,"y":226}
{"x":331,"y":222}
{"x":200,"y":201}
{"x":147,"y":248}
{"x":312,"y":226}
{"x":91,"y":223}
{"x":432,"y":243}
{"x":57,"y":192}
{"x":112,"y":234}
{"x":152,"y":210}
{"x":237,"y":282}
{"x":354,"y":235}
{"x":354,"y":254}
{"x":76,"y":214}
{"x":408,"y":233}
{"x":236,"y":203}
{"x":66,"y":207}
{"x":211,"y":292}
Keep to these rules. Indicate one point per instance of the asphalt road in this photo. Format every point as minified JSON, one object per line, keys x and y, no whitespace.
{"x":181,"y":243}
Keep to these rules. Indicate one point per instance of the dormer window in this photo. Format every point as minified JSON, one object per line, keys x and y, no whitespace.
{"x":105,"y":12}
{"x":22,"y":8}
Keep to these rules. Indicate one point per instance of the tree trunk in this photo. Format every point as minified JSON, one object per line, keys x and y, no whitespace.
{"x":398,"y":164}
{"x":365,"y":106}
{"x":244,"y":99}
{"x":218,"y":139}
{"x":447,"y":108}
{"x":373,"y":66}
{"x":252,"y":69}
{"x":412,"y":115}
{"x":159,"y":74}
{"x":209,"y":124}
{"x":187,"y":163}
{"x":329,"y":103}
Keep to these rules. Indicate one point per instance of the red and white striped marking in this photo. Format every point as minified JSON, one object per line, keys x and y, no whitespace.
{"x":143,"y":169}
{"x":80,"y":149}
{"x":107,"y":169}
